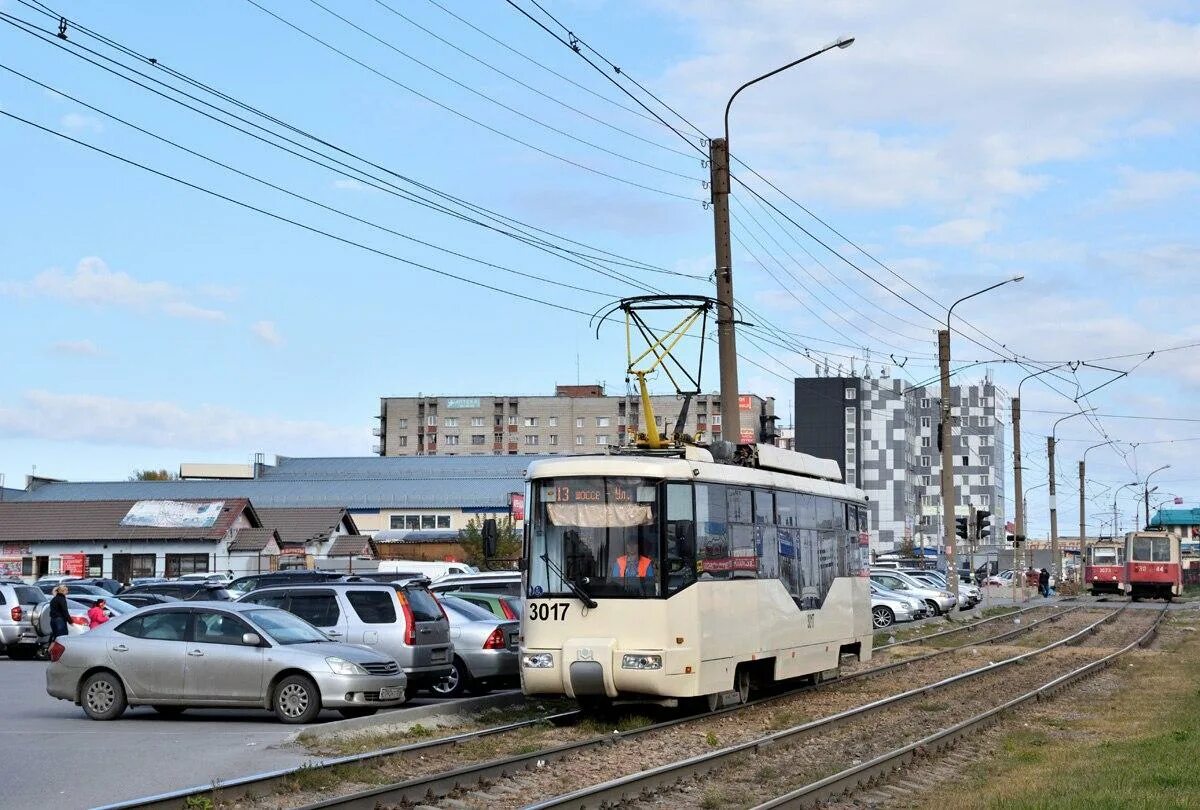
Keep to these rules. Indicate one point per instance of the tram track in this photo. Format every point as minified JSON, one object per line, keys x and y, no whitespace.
{"x":880,"y":768}
{"x":465,"y":782}
{"x":964,"y":628}
{"x":477,"y":744}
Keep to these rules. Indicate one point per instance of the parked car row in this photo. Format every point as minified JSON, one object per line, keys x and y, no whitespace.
{"x":466,"y":642}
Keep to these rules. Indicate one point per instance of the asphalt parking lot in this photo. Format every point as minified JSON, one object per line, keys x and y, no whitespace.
{"x":55,"y":757}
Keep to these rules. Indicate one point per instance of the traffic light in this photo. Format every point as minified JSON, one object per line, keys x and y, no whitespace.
{"x":983,"y":525}
{"x":1011,"y":539}
{"x":1019,"y":540}
{"x":960,"y":527}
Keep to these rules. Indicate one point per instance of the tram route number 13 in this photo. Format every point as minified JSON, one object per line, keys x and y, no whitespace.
{"x":544,"y":612}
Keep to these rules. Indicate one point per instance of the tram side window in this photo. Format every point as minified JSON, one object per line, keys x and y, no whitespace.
{"x":789,"y":569}
{"x":743,"y":560}
{"x":786,"y":507}
{"x":766,"y":544}
{"x":712,"y":532}
{"x":681,"y":538}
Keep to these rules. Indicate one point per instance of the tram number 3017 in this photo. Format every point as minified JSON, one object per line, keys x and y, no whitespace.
{"x":544,"y":612}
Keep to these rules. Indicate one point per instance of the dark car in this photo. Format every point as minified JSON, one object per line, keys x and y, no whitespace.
{"x":77,"y":588}
{"x":142,"y":599}
{"x":243,"y":585}
{"x":182,"y":590}
{"x":110,"y":585}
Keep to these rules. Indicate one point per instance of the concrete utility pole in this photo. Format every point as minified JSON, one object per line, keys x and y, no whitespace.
{"x":718,"y":155}
{"x":731,"y":419}
{"x":1083,"y":508}
{"x":1017,"y":469}
{"x":948,"y":501}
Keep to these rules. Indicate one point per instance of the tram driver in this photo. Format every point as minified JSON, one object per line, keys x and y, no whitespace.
{"x":633,"y":565}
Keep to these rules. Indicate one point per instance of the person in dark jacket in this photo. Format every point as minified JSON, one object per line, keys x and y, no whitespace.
{"x":60,"y":613}
{"x":1044,"y":583}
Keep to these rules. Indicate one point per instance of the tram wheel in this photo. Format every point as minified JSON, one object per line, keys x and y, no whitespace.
{"x":742,"y":684}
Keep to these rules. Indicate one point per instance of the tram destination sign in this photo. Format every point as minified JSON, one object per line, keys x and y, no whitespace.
{"x":596,"y":492}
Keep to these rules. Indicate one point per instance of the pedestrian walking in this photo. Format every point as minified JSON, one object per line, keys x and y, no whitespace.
{"x":1044,"y":583}
{"x":97,"y":615}
{"x":60,"y":613}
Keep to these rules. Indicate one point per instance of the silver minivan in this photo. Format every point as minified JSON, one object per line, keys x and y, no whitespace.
{"x":401,"y":619}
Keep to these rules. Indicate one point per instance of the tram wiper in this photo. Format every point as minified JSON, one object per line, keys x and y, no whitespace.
{"x":575,"y":587}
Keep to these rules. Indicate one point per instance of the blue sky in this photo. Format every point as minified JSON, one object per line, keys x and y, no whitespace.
{"x":146,"y":323}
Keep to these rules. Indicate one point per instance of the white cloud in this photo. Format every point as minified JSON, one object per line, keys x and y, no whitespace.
{"x":78,"y":122}
{"x":965,"y":231}
{"x":102,"y":420}
{"x":81,"y":348}
{"x":267,"y":332}
{"x":1142,"y":188}
{"x":961,"y":104}
{"x":93,"y":283}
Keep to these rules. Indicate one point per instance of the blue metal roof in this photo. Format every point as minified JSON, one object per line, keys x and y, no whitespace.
{"x":1176,"y":517}
{"x":372,"y":482}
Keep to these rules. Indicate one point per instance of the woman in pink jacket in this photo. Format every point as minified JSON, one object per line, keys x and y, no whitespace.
{"x":96,"y":615}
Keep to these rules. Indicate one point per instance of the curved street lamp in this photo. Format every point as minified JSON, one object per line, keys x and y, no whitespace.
{"x":1082,"y":506}
{"x":1015,"y":409}
{"x":947,"y":482}
{"x":1050,"y":442}
{"x":718,"y":154}
{"x":1148,"y":490}
{"x":1116,"y":520}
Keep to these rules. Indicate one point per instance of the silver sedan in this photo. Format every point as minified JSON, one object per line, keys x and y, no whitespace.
{"x":219,"y":655}
{"x":485,"y":649}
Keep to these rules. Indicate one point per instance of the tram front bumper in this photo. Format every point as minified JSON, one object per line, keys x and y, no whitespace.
{"x":595,"y":667}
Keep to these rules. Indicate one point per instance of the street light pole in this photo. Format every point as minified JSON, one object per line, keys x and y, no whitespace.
{"x":1082,"y":509}
{"x":718,"y":154}
{"x":1116,"y":521}
{"x":1017,"y":468}
{"x":1147,"y":490}
{"x":948,"y":499}
{"x":1054,"y":559}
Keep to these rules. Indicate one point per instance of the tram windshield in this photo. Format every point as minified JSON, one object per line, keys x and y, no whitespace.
{"x":600,"y":533}
{"x":1106,"y":555}
{"x":1152,"y":549}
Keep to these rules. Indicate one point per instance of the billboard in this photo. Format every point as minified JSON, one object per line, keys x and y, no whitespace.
{"x":174,"y":514}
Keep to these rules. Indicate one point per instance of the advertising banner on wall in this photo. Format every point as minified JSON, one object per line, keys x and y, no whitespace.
{"x":516,"y":505}
{"x":173,"y":514}
{"x":74,"y":565}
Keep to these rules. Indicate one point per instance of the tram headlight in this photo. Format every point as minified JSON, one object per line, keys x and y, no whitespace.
{"x":543,"y":660}
{"x":635,"y":661}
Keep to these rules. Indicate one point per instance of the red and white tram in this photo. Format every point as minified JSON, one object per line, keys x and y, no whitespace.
{"x":1152,"y":565}
{"x":1104,"y":569}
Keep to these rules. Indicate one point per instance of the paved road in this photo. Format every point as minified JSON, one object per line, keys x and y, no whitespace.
{"x":54,"y":757}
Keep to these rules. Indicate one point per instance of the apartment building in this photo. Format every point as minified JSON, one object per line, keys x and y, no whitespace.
{"x":576,"y":419}
{"x":883,"y":432}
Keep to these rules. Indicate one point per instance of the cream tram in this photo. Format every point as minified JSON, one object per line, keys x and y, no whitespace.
{"x":670,"y":576}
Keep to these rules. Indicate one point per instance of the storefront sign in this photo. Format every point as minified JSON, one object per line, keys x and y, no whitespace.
{"x":74,"y":565}
{"x":16,"y":550}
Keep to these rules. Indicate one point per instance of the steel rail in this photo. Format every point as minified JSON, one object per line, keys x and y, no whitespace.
{"x":961,"y":628}
{"x":881,"y":766}
{"x":262,"y":783}
{"x":420,"y":789}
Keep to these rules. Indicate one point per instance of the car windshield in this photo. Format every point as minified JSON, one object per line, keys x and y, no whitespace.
{"x":600,"y":533}
{"x":1104,"y":555}
{"x":284,"y":627}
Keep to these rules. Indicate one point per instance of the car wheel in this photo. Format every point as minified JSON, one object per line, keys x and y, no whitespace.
{"x":103,"y":696}
{"x":170,"y":711}
{"x":296,"y":700}
{"x":21,"y":652}
{"x":882,"y":616}
{"x":453,"y":684}
{"x":934,"y":610}
{"x":355,"y":711}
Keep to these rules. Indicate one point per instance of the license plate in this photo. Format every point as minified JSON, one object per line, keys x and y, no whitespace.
{"x":437,"y":656}
{"x":391,"y":693}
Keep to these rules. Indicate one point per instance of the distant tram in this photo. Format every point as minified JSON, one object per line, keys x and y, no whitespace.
{"x":1104,"y":571}
{"x":1153,"y":567}
{"x":673,"y":577}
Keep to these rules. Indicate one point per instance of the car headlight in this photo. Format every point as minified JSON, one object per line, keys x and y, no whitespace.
{"x":946,"y":594}
{"x":635,"y":661}
{"x":542,"y":660}
{"x":340,"y":666}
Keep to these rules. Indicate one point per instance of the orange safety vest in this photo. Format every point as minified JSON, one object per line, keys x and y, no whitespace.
{"x":643,"y":565}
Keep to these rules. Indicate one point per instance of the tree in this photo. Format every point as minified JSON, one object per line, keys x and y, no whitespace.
{"x":508,"y":540}
{"x":907,"y":549}
{"x":153,"y":475}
